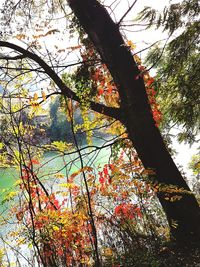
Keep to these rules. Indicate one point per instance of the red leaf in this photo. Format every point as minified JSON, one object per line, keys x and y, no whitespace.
{"x":150,"y":81}
{"x":100,"y":91}
{"x":105,"y":171}
{"x":101,"y":180}
{"x":35,"y":161}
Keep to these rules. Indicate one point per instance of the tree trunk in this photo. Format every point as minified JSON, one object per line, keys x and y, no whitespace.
{"x":183,"y":215}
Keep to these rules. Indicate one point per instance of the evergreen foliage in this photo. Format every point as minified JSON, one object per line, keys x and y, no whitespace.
{"x":60,"y":127}
{"x":178,"y":65}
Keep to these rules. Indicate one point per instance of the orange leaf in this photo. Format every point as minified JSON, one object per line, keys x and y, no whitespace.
{"x":35,"y":97}
{"x":43,"y":95}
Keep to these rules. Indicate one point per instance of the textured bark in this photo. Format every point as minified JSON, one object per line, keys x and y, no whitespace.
{"x":137,"y":117}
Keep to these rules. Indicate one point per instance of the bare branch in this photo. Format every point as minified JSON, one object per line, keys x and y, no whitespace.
{"x":126,"y":13}
{"x":12,"y":58}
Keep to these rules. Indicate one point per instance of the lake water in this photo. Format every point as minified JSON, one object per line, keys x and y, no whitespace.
{"x":51,"y":164}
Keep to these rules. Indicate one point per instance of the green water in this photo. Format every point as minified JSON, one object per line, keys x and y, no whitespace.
{"x":51,"y":164}
{"x":7,"y":177}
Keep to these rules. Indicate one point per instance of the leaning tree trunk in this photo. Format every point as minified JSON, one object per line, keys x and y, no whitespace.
{"x":183,"y":215}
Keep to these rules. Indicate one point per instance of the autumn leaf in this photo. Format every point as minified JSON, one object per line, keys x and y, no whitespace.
{"x":44,"y":95}
{"x":100,"y":91}
{"x":35,"y":97}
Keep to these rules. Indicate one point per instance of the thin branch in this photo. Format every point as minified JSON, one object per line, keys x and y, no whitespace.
{"x":12,"y":58}
{"x":161,"y":54}
{"x":14,"y":249}
{"x":142,"y":50}
{"x":126,"y":13}
{"x":22,"y":69}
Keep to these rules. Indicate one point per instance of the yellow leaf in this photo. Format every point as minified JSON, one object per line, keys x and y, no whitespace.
{"x":18,"y":182}
{"x":44,"y":95}
{"x":35,"y":97}
{"x":68,"y":185}
{"x":62,"y":146}
{"x":55,"y":228}
{"x":59,"y":175}
{"x":131,"y":44}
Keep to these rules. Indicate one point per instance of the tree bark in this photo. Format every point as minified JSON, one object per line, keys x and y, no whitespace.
{"x":183,"y":215}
